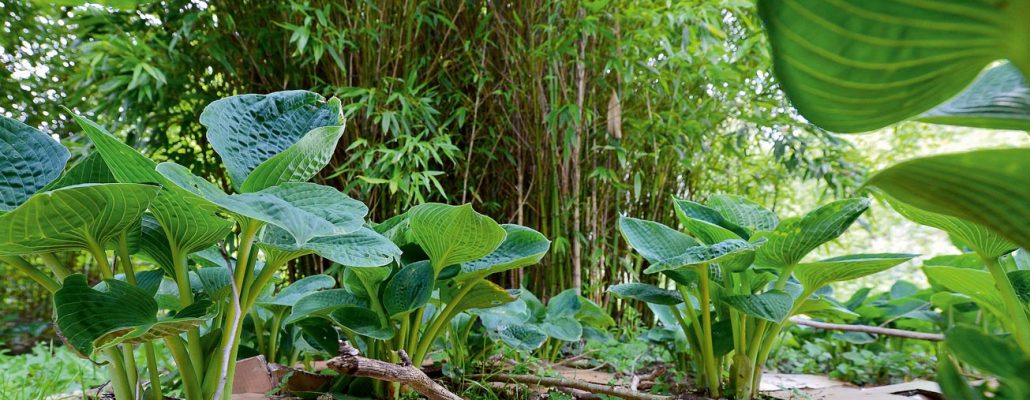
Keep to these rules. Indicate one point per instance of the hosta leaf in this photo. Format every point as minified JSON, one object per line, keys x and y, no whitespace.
{"x":521,"y":247}
{"x":823,"y":272}
{"x":655,"y":242}
{"x":484,"y":295}
{"x":646,"y":293}
{"x":454,"y":234}
{"x":564,"y":328}
{"x":978,"y":285}
{"x":743,"y":213}
{"x":288,"y":296}
{"x":91,"y":169}
{"x":410,"y":288}
{"x":305,"y":210}
{"x":563,"y":305}
{"x":361,"y":248}
{"x":91,"y":320}
{"x":298,"y":163}
{"x":967,"y":260}
{"x":825,"y":308}
{"x":977,"y":237}
{"x":31,"y":159}
{"x":995,"y":355}
{"x":247,"y":130}
{"x":524,"y":337}
{"x":1021,"y":283}
{"x":860,"y":66}
{"x":735,"y":254}
{"x":512,"y":313}
{"x":592,"y":315}
{"x":215,"y":281}
{"x":772,"y":306}
{"x":154,"y":244}
{"x":70,"y":218}
{"x":998,"y":99}
{"x":705,"y":223}
{"x":362,"y":321}
{"x":322,"y":303}
{"x":990,"y":188}
{"x":794,"y":238}
{"x":361,"y":281}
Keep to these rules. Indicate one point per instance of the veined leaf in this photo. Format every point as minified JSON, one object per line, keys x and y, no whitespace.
{"x":744,"y":213}
{"x":289,"y":295}
{"x":794,"y":238}
{"x":361,"y":248}
{"x":366,"y":281}
{"x":982,"y":240}
{"x":525,"y":337}
{"x":91,"y":169}
{"x":772,"y":306}
{"x":978,"y":285}
{"x":564,"y":304}
{"x":860,"y":66}
{"x":247,"y":130}
{"x":817,"y":274}
{"x":92,"y":320}
{"x":646,"y":293}
{"x":454,"y":234}
{"x":564,"y":328}
{"x":362,"y":321}
{"x":735,"y":254}
{"x":997,"y":356}
{"x":483,"y":296}
{"x":521,"y":247}
{"x":30,"y":161}
{"x":705,"y":223}
{"x":1021,"y":284}
{"x":998,"y":99}
{"x":323,"y":303}
{"x":990,"y":188}
{"x":409,"y":288}
{"x":154,"y":244}
{"x":298,"y":163}
{"x":592,"y":315}
{"x":73,"y":217}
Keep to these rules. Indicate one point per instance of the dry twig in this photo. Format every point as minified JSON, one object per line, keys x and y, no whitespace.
{"x":351,"y":363}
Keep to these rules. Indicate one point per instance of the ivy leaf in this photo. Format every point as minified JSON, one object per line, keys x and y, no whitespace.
{"x":30,"y":160}
{"x":91,"y":320}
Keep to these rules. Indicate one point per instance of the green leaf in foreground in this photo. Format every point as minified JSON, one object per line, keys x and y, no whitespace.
{"x":410,"y":288}
{"x":30,"y":159}
{"x":521,"y":247}
{"x":978,"y":285}
{"x":998,"y":99}
{"x":794,"y":238}
{"x":91,"y":320}
{"x":454,"y":234}
{"x":817,"y":274}
{"x":298,"y":163}
{"x":772,"y":306}
{"x":646,"y":293}
{"x":990,"y":188}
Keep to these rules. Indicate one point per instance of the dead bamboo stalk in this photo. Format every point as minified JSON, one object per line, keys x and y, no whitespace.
{"x":935,"y":337}
{"x":569,"y":384}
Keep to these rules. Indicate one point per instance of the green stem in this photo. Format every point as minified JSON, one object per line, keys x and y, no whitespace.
{"x":119,"y":379}
{"x":59,"y":269}
{"x":706,"y":321}
{"x":434,"y":330}
{"x":273,"y":338}
{"x":35,"y":274}
{"x":190,"y":383}
{"x":153,"y":372}
{"x":1013,"y":305}
{"x":182,"y":282}
{"x":416,"y":324}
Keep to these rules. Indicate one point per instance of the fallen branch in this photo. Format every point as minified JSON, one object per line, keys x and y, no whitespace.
{"x":936,"y":337}
{"x":570,"y":384}
{"x":349,"y":362}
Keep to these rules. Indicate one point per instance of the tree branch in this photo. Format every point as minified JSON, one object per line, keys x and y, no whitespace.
{"x":935,"y":337}
{"x":350,"y":363}
{"x":570,"y":384}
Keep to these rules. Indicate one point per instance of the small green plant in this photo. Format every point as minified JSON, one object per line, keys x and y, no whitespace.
{"x":116,"y":200}
{"x":740,"y":276}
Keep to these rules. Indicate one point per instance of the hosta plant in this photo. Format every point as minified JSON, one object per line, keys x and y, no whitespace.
{"x":738,"y":274}
{"x":117,"y":201}
{"x":408,"y":304}
{"x":527,"y":324}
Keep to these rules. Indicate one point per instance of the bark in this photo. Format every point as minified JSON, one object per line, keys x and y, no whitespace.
{"x":935,"y":337}
{"x":569,"y":384}
{"x":349,"y":362}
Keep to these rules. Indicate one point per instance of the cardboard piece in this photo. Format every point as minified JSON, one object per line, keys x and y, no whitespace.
{"x":253,"y":376}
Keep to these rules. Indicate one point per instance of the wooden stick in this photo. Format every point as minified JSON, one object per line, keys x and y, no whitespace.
{"x":350,"y":363}
{"x":570,"y":384}
{"x":935,"y":337}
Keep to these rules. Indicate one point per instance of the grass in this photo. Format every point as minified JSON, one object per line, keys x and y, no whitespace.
{"x":47,"y":370}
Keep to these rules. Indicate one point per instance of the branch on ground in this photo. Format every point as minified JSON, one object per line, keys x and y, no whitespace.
{"x":570,"y":384}
{"x":349,"y":362}
{"x":936,"y":337}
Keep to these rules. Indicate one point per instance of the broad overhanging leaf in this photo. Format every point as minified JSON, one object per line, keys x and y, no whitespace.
{"x":454,"y":234}
{"x":91,"y":169}
{"x":298,"y":163}
{"x":323,"y":303}
{"x":408,"y":289}
{"x":521,"y":247}
{"x":772,"y":306}
{"x":998,"y":99}
{"x":247,"y":130}
{"x":30,"y":160}
{"x":654,"y":241}
{"x":92,"y":320}
{"x":734,"y":254}
{"x":74,"y":217}
{"x":858,"y":66}
{"x":289,"y":295}
{"x":984,"y":241}
{"x":646,"y":293}
{"x":794,"y":238}
{"x":564,"y":304}
{"x":978,"y":285}
{"x":743,"y":213}
{"x":817,"y":274}
{"x":483,"y":296}
{"x":706,"y":223}
{"x":361,"y":248}
{"x":986,"y":187}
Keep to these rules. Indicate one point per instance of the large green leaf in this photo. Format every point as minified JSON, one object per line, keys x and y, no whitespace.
{"x":998,"y":99}
{"x":817,"y":274}
{"x":29,"y":160}
{"x":362,"y":321}
{"x":997,"y":356}
{"x":656,"y":242}
{"x":978,"y":285}
{"x":982,"y":240}
{"x":986,"y":187}
{"x":366,"y":281}
{"x":154,"y":245}
{"x":706,"y":223}
{"x":409,"y":288}
{"x":858,"y":66}
{"x":1021,"y":284}
{"x":91,"y":320}
{"x":73,"y":217}
{"x":289,"y":295}
{"x":564,"y":328}
{"x":772,"y":306}
{"x":743,"y":213}
{"x":298,"y":163}
{"x":305,"y":210}
{"x":91,"y":169}
{"x":521,"y":247}
{"x":361,"y":248}
{"x":734,"y":254}
{"x":646,"y":293}
{"x":484,"y":295}
{"x":592,"y":315}
{"x":564,"y":304}
{"x":454,"y":234}
{"x":526,"y":337}
{"x":323,"y":303}
{"x":247,"y":130}
{"x":794,"y":238}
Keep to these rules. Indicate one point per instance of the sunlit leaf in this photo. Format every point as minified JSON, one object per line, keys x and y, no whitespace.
{"x":772,"y":306}
{"x":521,"y":247}
{"x":454,"y":234}
{"x":794,"y":238}
{"x":998,"y":99}
{"x":817,"y":274}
